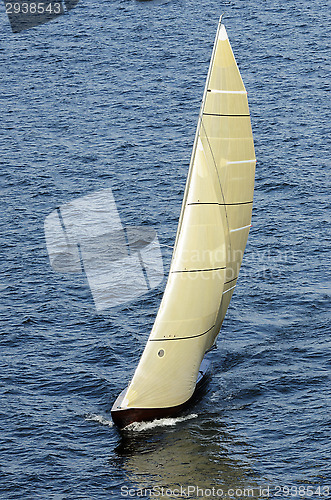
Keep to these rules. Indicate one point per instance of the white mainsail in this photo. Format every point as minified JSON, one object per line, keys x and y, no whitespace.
{"x":211,"y":238}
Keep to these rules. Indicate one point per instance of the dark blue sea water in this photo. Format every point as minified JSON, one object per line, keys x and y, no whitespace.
{"x":108,"y":97}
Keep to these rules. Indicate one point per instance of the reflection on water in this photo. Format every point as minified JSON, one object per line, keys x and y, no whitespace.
{"x":199,"y":453}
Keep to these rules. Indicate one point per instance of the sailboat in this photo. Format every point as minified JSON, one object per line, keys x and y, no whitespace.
{"x":212,"y":233}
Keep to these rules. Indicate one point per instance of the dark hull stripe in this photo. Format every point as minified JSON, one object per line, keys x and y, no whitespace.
{"x":123,"y":417}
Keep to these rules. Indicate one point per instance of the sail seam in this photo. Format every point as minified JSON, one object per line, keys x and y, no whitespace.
{"x":220,"y":204}
{"x":198,"y":270}
{"x":218,"y":114}
{"x":239,"y":228}
{"x":253,"y":160}
{"x":183,"y":338}
{"x":216,"y":91}
{"x":227,"y":282}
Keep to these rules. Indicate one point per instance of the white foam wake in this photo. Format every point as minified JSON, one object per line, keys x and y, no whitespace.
{"x":161,"y":422}
{"x":100,"y":419}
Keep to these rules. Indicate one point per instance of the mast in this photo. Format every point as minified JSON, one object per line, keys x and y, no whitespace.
{"x":197,"y":131}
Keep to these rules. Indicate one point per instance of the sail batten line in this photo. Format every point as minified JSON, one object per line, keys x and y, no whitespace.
{"x":198,"y":270}
{"x":218,"y":114}
{"x":220,"y":204}
{"x":216,"y":91}
{"x":183,"y":338}
{"x":227,"y":282}
{"x":241,"y":161}
{"x":226,"y":291}
{"x":240,"y":228}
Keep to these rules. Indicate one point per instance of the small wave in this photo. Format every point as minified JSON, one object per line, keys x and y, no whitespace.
{"x":161,"y":422}
{"x":100,"y":419}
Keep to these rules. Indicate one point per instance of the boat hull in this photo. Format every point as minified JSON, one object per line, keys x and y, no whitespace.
{"x":122,"y":417}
